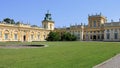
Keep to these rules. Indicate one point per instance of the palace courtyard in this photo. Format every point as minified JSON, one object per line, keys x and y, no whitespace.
{"x":57,"y":54}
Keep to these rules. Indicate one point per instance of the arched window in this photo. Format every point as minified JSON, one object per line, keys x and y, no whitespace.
{"x":6,"y":35}
{"x":116,"y":34}
{"x":15,"y":35}
{"x":38,"y":35}
{"x":50,"y":26}
{"x":108,"y":35}
{"x":32,"y":35}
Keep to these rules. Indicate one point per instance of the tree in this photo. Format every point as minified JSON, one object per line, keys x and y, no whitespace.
{"x":34,"y":26}
{"x":9,"y":21}
{"x":68,"y":37}
{"x":53,"y":36}
{"x":17,"y":22}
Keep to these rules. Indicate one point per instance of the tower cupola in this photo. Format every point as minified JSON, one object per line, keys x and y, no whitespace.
{"x":48,"y":23}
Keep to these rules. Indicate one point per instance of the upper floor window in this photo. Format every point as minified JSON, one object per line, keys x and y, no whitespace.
{"x":50,"y":26}
{"x":94,"y":23}
{"x":90,"y":24}
{"x":98,"y":24}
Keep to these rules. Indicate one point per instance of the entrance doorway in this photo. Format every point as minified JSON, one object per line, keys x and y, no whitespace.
{"x":24,"y":38}
{"x":94,"y":37}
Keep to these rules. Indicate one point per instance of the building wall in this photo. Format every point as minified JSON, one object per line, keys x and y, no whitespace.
{"x":112,"y":34}
{"x":10,"y":32}
{"x":96,"y":30}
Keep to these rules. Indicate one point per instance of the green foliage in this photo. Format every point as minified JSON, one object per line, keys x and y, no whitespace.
{"x":34,"y":26}
{"x":17,"y":22}
{"x":58,"y":55}
{"x":9,"y":21}
{"x":68,"y":37}
{"x":55,"y":36}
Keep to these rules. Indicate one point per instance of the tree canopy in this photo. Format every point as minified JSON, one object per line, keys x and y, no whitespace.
{"x":53,"y":36}
{"x":9,"y":21}
{"x":56,"y":36}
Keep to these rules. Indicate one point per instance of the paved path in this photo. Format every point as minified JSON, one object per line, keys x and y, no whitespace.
{"x":111,"y":63}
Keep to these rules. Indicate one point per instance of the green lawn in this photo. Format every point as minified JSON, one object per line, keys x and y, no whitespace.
{"x":58,"y":55}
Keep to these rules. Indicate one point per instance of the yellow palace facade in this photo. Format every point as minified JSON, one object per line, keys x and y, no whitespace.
{"x":98,"y":29}
{"x":25,"y":32}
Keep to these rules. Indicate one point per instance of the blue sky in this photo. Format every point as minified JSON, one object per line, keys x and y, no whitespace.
{"x":64,"y":12}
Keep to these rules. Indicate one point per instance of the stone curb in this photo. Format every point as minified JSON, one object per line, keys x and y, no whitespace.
{"x":109,"y":60}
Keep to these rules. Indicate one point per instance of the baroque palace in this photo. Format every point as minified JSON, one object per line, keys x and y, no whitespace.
{"x":25,"y":32}
{"x":98,"y":29}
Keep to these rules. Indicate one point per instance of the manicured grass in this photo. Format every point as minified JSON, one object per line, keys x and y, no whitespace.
{"x":58,"y":55}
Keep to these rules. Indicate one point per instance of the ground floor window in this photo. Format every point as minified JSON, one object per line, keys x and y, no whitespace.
{"x":0,"y":33}
{"x":102,"y":37}
{"x":6,"y":36}
{"x":32,"y":37}
{"x":78,"y":37}
{"x":78,"y":34}
{"x":108,"y":36}
{"x":38,"y":36}
{"x":15,"y":36}
{"x":90,"y":36}
{"x":116,"y":35}
{"x":44,"y":36}
{"x":98,"y":36}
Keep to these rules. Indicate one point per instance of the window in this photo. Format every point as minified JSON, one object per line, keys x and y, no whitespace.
{"x":115,"y":30}
{"x":98,"y":31}
{"x":108,"y":30}
{"x":90,"y":31}
{"x":78,"y":34}
{"x":45,"y":26}
{"x":94,"y":23}
{"x":78,"y":37}
{"x":90,"y":25}
{"x":38,"y":36}
{"x":98,"y":36}
{"x":0,"y":33}
{"x":6,"y":36}
{"x":116,"y":35}
{"x":50,"y":26}
{"x":44,"y":36}
{"x":98,"y":24}
{"x":90,"y":36}
{"x":15,"y":36}
{"x":102,"y":36}
{"x":31,"y":37}
{"x":111,"y":30}
{"x":108,"y":36}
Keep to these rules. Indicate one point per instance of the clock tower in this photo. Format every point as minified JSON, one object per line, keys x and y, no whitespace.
{"x":48,"y":23}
